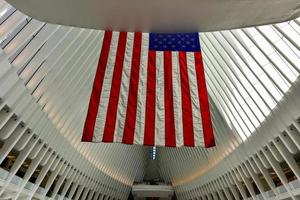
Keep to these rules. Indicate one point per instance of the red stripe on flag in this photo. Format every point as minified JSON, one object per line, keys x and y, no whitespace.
{"x":204,"y":104}
{"x":187,"y":117}
{"x":130,"y":120}
{"x":170,"y":138}
{"x":89,"y":126}
{"x":149,"y":135}
{"x":110,"y":123}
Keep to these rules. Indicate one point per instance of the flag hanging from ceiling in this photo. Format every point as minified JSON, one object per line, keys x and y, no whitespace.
{"x":150,"y":89}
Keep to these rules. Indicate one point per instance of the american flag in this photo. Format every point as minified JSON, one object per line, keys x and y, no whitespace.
{"x":150,"y":89}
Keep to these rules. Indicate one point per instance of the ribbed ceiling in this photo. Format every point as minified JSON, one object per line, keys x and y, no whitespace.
{"x":248,"y":72}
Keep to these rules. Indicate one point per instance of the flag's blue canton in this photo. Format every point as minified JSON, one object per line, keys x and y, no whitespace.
{"x":174,"y":42}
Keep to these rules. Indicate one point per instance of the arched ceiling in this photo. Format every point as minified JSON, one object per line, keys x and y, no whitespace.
{"x":160,"y":15}
{"x":248,"y":72}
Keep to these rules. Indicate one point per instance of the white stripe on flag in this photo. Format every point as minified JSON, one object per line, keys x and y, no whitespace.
{"x":159,"y":101}
{"x":122,"y":104}
{"x":177,"y":99}
{"x":142,"y":89}
{"x":104,"y":99}
{"x":99,"y":48}
{"x":197,"y":123}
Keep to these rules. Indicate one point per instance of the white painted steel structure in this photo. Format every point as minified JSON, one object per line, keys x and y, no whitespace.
{"x":46,"y":74}
{"x":160,"y":15}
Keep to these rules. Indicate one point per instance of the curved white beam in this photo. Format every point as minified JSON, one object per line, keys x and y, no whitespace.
{"x":160,"y":15}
